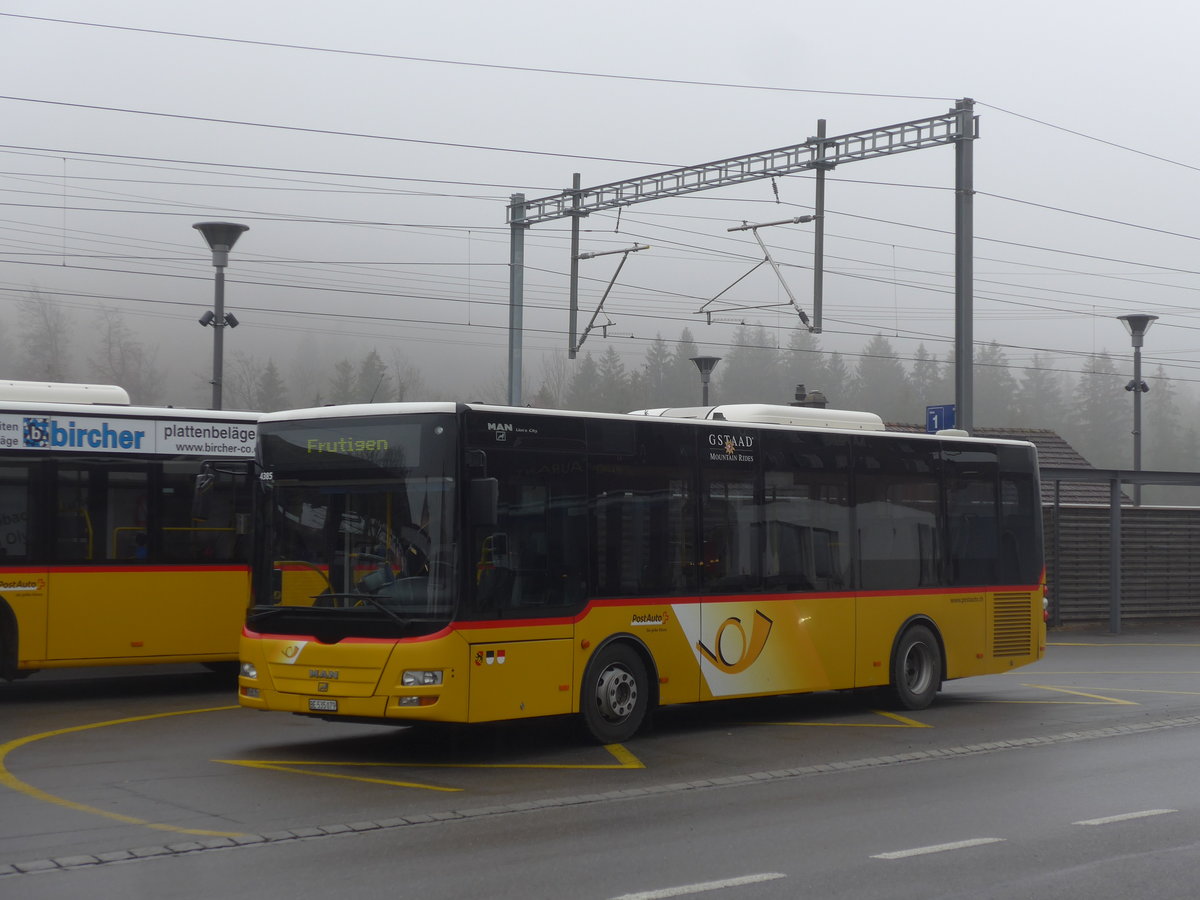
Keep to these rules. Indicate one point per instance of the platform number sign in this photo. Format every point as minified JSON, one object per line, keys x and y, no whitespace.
{"x":938,"y":418}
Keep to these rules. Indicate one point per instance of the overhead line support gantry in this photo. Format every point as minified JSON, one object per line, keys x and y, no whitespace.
{"x":959,"y":127}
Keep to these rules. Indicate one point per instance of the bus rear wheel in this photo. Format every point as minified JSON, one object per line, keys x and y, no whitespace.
{"x":916,"y":668}
{"x":616,"y":694}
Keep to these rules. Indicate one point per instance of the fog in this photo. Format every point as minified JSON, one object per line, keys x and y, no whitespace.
{"x":372,"y":149}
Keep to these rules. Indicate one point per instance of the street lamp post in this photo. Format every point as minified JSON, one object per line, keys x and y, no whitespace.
{"x":1137,"y":325}
{"x":221,"y":237}
{"x":705,"y":364}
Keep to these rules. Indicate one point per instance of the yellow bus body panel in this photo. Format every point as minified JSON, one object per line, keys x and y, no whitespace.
{"x":115,"y":616}
{"x":300,"y":585}
{"x":25,"y":592}
{"x":488,"y":674}
{"x":982,"y":632}
{"x":518,"y":679}
{"x":720,"y":648}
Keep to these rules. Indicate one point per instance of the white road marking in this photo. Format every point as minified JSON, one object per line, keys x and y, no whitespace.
{"x":1125,"y":817}
{"x":703,"y":886}
{"x":937,"y":848}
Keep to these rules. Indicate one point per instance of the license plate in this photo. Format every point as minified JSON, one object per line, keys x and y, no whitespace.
{"x":321,"y":705}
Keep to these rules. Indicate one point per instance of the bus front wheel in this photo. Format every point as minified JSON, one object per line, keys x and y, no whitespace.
{"x":616,"y":694}
{"x":916,"y":668}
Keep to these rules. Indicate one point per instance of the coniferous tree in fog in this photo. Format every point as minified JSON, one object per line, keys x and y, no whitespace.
{"x":656,"y":371}
{"x":343,"y":383}
{"x":1162,"y":424}
{"x":681,"y":386}
{"x":271,"y":393}
{"x":995,"y":387}
{"x":1041,"y":398}
{"x":373,"y":381}
{"x":614,"y":388}
{"x":931,"y":384}
{"x":584,"y":392}
{"x":1101,"y":417}
{"x":839,"y":383}
{"x":881,"y":384}
{"x":751,"y":371}
{"x":367,"y":382}
{"x":803,"y":363}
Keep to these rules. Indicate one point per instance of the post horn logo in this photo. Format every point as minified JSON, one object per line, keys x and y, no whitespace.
{"x":750,"y":649}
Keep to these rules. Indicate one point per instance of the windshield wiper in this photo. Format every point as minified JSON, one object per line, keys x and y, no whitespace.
{"x":369,"y":598}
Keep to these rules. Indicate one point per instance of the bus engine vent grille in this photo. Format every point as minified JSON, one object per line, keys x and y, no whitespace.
{"x":1012,"y":625}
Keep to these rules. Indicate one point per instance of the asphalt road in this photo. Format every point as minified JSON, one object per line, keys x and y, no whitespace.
{"x":1074,"y":777}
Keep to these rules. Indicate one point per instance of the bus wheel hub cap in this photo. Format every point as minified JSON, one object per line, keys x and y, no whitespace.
{"x":616,"y":693}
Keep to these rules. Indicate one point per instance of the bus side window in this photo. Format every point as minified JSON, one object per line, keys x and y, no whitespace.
{"x":125,"y":513}
{"x":532,"y":556}
{"x":200,"y":515}
{"x":18,"y":512}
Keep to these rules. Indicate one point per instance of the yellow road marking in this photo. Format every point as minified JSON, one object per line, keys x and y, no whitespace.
{"x":1110,"y":644}
{"x":9,"y":780}
{"x":624,"y":760}
{"x":294,"y":768}
{"x":1097,"y":699}
{"x":901,"y":722}
{"x":1146,"y":691}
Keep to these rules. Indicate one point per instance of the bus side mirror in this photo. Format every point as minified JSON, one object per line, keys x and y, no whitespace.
{"x":485,"y":501}
{"x":206,"y":480}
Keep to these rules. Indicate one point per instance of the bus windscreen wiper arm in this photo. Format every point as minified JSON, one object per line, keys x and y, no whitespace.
{"x":369,"y":598}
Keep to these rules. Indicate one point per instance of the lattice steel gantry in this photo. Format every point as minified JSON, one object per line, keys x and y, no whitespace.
{"x":959,"y":126}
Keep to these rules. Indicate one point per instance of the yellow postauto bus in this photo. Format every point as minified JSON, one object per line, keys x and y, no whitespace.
{"x":111,"y":553}
{"x":441,"y":562}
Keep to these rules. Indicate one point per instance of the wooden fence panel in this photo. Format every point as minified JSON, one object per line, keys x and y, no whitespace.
{"x":1160,"y":564}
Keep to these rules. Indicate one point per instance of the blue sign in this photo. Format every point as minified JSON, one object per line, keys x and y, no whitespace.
{"x":938,"y":418}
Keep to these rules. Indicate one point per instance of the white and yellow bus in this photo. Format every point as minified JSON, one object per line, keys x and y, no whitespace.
{"x":466,"y":563}
{"x":108,"y":555}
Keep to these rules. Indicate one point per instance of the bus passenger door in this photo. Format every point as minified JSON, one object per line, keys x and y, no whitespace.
{"x":528,"y":582}
{"x":140,"y":577}
{"x":24,"y":588}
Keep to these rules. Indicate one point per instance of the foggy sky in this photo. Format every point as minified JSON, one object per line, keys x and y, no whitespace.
{"x":375,"y":187}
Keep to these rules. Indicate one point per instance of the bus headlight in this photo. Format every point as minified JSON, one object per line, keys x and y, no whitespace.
{"x":249,"y":670}
{"x":421,"y":677}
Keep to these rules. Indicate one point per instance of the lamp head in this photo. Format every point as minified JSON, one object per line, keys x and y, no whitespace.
{"x":706,"y":364}
{"x":207,"y":318}
{"x":1137,"y":324}
{"x":221,"y":236}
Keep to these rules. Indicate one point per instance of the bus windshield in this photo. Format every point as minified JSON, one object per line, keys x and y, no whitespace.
{"x":357,"y":527}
